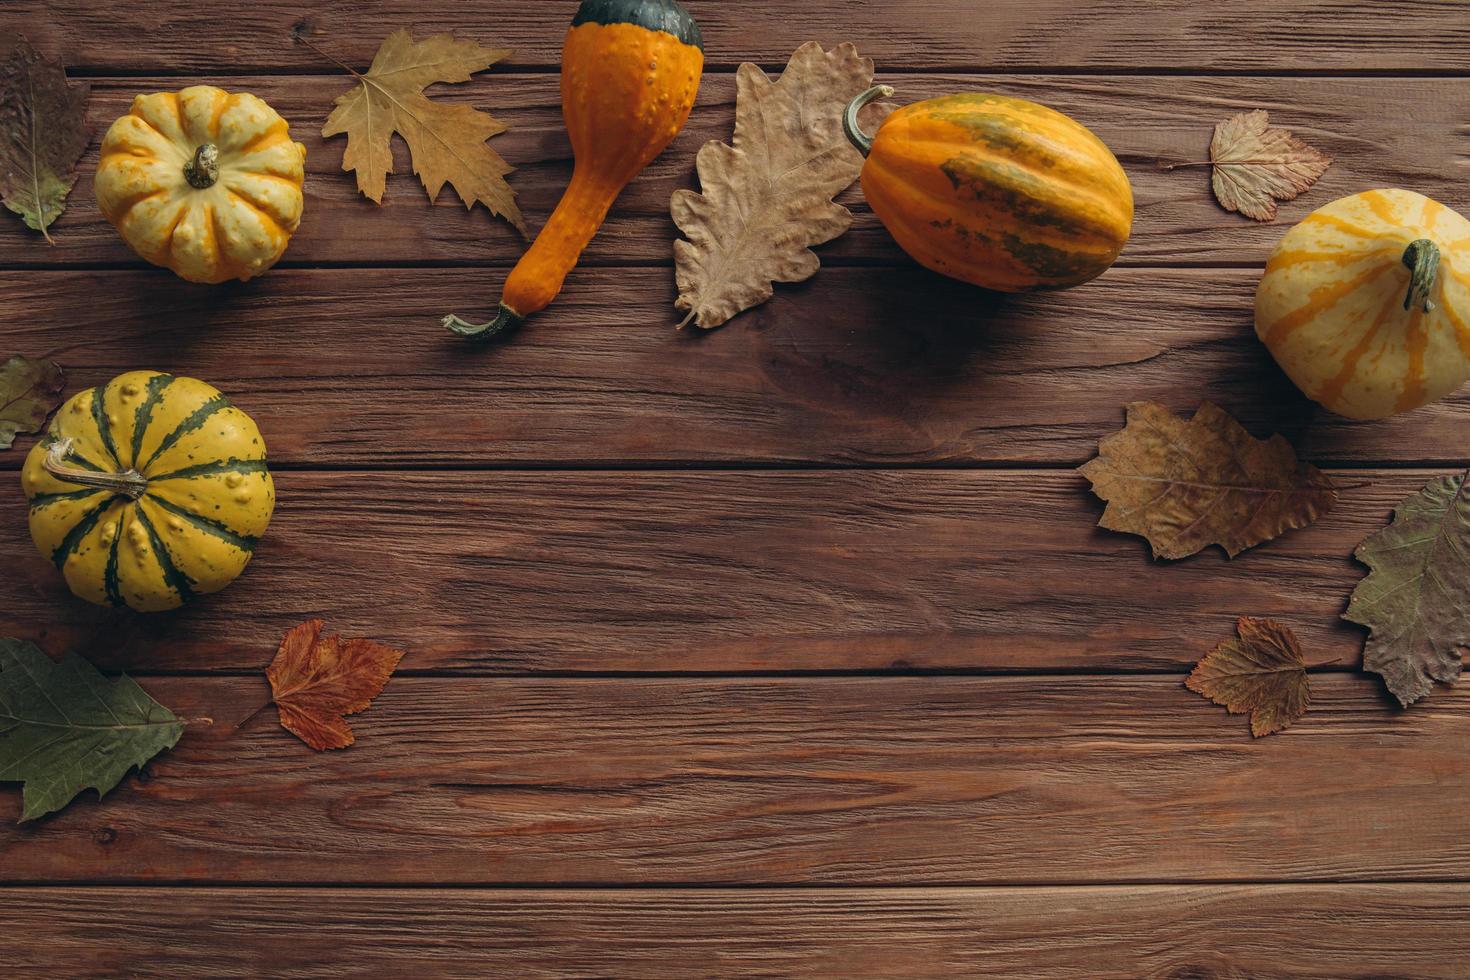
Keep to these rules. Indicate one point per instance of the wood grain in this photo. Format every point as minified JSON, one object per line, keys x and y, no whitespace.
{"x":1416,"y":140}
{"x":1255,"y":35}
{"x":721,"y":572}
{"x":1335,"y":932}
{"x":351,"y":368}
{"x":1002,"y":780}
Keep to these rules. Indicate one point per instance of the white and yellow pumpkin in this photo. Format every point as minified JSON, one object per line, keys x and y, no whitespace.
{"x":203,"y":182}
{"x":1366,"y":303}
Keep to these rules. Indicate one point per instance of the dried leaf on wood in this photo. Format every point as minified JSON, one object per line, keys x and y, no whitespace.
{"x":1416,"y":596}
{"x":65,"y":728}
{"x":1255,"y":166}
{"x":767,"y":198}
{"x":316,"y":681}
{"x":1261,"y":671}
{"x":43,"y":132}
{"x":446,"y":139}
{"x":1187,"y":485}
{"x":30,"y":390}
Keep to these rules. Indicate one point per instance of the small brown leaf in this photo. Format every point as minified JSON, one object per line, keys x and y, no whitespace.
{"x":318,"y":680}
{"x":768,"y":198}
{"x":29,"y":392}
{"x":1262,"y":671}
{"x":43,"y":132}
{"x":446,"y":139}
{"x":1255,"y":166}
{"x":1416,"y":598}
{"x":1187,"y":485}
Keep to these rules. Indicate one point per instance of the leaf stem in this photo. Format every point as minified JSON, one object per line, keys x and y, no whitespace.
{"x":253,"y":715}
{"x":300,"y":38}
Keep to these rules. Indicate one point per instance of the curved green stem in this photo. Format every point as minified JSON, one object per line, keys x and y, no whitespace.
{"x":506,"y":321}
{"x":130,"y":483}
{"x":1422,"y":258}
{"x":202,"y":170}
{"x":860,"y":139}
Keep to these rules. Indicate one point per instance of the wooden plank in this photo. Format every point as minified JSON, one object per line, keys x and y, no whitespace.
{"x":1251,"y":35}
{"x":1338,"y":931}
{"x":1002,"y":780}
{"x":1416,"y":142}
{"x":721,"y":572}
{"x":351,"y":367}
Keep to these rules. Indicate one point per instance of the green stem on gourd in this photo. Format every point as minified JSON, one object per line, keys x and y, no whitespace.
{"x":130,"y":483}
{"x":505,"y":321}
{"x":202,"y":171}
{"x":860,"y":139}
{"x":1422,"y":258}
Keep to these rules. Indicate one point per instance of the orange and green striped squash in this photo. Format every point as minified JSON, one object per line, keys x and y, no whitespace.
{"x":148,"y":491}
{"x":1366,"y":303}
{"x":995,"y":191}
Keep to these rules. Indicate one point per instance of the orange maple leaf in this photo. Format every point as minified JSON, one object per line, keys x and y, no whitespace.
{"x":316,"y":681}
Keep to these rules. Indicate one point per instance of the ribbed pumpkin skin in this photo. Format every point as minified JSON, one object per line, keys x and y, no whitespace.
{"x":1331,"y":305}
{"x":237,"y":228}
{"x":209,"y":495}
{"x":626,"y":91}
{"x":999,"y":192}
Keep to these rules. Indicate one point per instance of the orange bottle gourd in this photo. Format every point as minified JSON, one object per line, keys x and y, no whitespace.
{"x":998,"y":192}
{"x":630,"y":73}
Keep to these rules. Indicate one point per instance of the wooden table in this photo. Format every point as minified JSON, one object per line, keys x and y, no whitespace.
{"x":787,"y":649}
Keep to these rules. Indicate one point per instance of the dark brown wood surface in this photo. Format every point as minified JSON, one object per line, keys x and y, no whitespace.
{"x":789,"y":649}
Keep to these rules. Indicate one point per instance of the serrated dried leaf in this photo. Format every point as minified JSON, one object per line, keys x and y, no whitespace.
{"x":316,"y":681}
{"x":43,"y":132}
{"x":1255,"y":166}
{"x":1188,"y":485}
{"x":1261,"y":671}
{"x":446,"y":140}
{"x":65,"y":728}
{"x":766,"y":199}
{"x":30,"y":390}
{"x":1416,"y":597}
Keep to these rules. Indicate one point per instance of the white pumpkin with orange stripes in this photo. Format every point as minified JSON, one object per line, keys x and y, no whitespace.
{"x":203,"y":182}
{"x":1366,"y":303}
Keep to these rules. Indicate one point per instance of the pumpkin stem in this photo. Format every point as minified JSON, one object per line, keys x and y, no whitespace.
{"x":203,"y":170}
{"x":130,"y":484}
{"x":1422,"y":258}
{"x":505,"y":321}
{"x":860,"y":139}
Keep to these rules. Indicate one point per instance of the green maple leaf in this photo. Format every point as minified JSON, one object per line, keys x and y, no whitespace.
{"x":65,"y":728}
{"x":1416,"y":599}
{"x":43,"y":132}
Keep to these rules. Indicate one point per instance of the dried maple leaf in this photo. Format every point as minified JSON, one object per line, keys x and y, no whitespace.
{"x":29,"y":392}
{"x":316,"y":681}
{"x":447,"y":140}
{"x":1416,"y":596}
{"x":1261,"y":671}
{"x":768,"y":198}
{"x":1187,"y":485}
{"x":1255,"y":166}
{"x":43,"y":132}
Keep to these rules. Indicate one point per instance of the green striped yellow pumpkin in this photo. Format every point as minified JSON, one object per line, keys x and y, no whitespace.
{"x":148,"y":491}
{"x":995,"y":191}
{"x":1366,"y":303}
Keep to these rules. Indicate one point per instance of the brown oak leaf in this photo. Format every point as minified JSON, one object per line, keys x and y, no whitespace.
{"x":43,"y":132}
{"x":1416,"y":598}
{"x":767,"y":199}
{"x":1261,"y":671}
{"x":30,"y":390}
{"x":1254,"y":166}
{"x":446,"y":139}
{"x":318,"y":680}
{"x":1187,"y":485}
